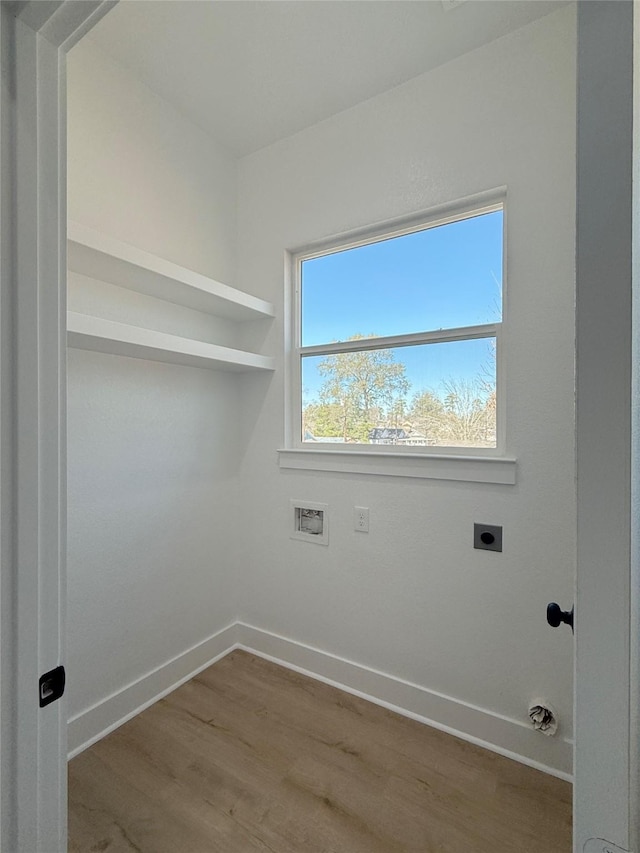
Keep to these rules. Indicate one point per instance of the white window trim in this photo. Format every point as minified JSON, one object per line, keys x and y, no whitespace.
{"x":469,"y":469}
{"x":483,"y":465}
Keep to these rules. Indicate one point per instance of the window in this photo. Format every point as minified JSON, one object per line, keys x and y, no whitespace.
{"x":398,"y":339}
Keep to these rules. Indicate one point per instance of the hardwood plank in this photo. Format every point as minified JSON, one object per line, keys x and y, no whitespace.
{"x":249,"y":756}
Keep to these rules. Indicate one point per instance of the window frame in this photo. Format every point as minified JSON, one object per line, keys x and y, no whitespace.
{"x":479,"y":205}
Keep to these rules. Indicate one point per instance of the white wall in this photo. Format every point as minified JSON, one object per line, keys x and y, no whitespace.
{"x":140,"y":171}
{"x":178,"y":512}
{"x":153,"y":454}
{"x":412,"y":598}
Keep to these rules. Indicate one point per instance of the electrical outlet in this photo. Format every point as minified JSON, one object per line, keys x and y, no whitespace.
{"x":361,"y":518}
{"x":487,"y":537}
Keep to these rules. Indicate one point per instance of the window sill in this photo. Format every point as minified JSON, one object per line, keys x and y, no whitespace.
{"x":469,"y":469}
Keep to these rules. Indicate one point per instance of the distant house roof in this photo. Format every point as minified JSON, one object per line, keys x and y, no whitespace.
{"x":308,"y":436}
{"x":386,"y":433}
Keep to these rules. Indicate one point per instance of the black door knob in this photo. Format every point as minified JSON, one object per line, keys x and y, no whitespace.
{"x":555,"y":616}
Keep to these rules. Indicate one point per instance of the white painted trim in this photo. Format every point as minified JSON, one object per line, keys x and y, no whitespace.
{"x":100,"y":335}
{"x":438,"y":336}
{"x":604,"y":704}
{"x":469,"y":469}
{"x":511,"y":738}
{"x":473,"y":206}
{"x":62,"y":22}
{"x":514,"y":739}
{"x":33,"y":810}
{"x":96,"y":722}
{"x":107,"y":259}
{"x":487,"y":201}
{"x":634,"y":681}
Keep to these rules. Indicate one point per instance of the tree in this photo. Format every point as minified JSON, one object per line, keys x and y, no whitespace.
{"x":427,"y":415}
{"x":486,"y":377}
{"x":322,"y":419}
{"x":469,"y":412}
{"x":368,"y":388}
{"x":362,"y":386}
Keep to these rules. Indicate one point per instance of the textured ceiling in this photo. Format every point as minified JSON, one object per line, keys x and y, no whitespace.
{"x":251,"y":72}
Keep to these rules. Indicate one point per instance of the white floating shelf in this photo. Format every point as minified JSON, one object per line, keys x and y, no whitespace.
{"x":95,"y":333}
{"x":107,"y":259}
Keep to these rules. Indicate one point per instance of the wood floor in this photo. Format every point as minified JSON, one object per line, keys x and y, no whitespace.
{"x":249,"y":757}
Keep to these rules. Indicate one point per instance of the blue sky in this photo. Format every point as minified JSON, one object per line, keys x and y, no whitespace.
{"x":443,"y":277}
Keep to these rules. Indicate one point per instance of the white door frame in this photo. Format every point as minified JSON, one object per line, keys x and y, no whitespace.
{"x":32,"y":428}
{"x":34,"y":40}
{"x":606,"y":760}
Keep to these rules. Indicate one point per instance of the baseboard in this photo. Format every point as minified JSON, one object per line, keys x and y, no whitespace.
{"x":497,"y":733}
{"x":503,"y":735}
{"x":91,"y":725}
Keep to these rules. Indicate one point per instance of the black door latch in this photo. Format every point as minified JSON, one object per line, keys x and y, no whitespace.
{"x":51,"y":686}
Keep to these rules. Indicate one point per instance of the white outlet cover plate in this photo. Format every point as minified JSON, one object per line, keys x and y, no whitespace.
{"x":361,"y":512}
{"x":599,"y":845}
